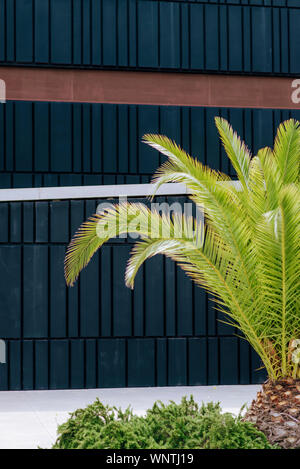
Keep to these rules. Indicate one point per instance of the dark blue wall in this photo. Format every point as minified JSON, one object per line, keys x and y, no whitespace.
{"x":62,"y":144}
{"x":99,"y":333}
{"x":240,"y":36}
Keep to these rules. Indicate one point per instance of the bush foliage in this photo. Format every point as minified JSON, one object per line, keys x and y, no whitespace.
{"x":174,"y":426}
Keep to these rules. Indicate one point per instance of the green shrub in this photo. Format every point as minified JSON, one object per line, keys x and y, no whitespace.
{"x":173,"y":426}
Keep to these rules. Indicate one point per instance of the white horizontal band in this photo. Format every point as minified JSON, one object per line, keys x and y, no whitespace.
{"x":91,"y":192}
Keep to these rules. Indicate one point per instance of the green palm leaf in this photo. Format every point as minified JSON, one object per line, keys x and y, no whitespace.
{"x":249,"y":259}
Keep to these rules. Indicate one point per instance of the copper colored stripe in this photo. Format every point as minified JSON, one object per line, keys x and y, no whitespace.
{"x":125,"y":87}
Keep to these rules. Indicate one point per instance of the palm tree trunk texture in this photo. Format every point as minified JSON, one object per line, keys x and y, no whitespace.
{"x":276,"y":412}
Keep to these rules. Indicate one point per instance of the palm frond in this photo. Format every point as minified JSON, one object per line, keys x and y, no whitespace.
{"x":287,"y":151}
{"x":236,"y":150}
{"x":250,"y":256}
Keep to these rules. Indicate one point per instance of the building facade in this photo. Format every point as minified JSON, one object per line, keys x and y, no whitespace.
{"x":85,"y":79}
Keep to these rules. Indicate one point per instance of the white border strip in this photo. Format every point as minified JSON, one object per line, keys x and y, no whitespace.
{"x":94,"y":192}
{"x":90,"y":192}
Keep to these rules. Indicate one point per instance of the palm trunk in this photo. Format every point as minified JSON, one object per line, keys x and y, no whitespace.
{"x":276,"y":412}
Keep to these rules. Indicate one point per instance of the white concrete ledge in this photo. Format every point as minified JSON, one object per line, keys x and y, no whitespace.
{"x":90,"y":192}
{"x":29,"y":419}
{"x":94,"y":192}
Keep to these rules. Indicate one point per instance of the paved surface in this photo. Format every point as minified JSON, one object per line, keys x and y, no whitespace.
{"x":29,"y":419}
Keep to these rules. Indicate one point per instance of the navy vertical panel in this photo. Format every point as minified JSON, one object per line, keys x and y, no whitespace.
{"x":61,"y":159}
{"x":122,"y":297}
{"x":211,"y":316}
{"x":4,"y":224}
{"x":211,"y":37}
{"x":244,"y":361}
{"x":89,"y":299}
{"x":212,"y":139}
{"x":285,"y":46}
{"x":132,"y":33}
{"x":276,"y":40}
{"x":235,"y":32}
{"x":97,"y":137}
{"x":10,"y":31}
{"x":111,"y":363}
{"x":184,"y":36}
{"x":59,"y":222}
{"x":170,"y":297}
{"x":213,"y":361}
{"x":225,"y":38}
{"x":96,"y":32}
{"x":262,"y":129}
{"x":77,"y":364}
{"x":200,"y":310}
{"x":90,"y":363}
{"x":61,"y":48}
{"x":197,"y":353}
{"x":184,"y":300}
{"x":133,"y":139}
{"x":86,"y":137}
{"x":2,"y":32}
{"x":41,"y":136}
{"x":10,"y":291}
{"x":170,"y":124}
{"x":86,"y":32}
{"x":41,"y":364}
{"x":57,"y":295}
{"x":247,"y":39}
{"x":76,"y":218}
{"x":138,"y":303}
{"x":148,"y":34}
{"x":15,"y":222}
{"x":154,"y":297}
{"x":28,"y":222}
{"x":109,"y":35}
{"x":197,"y":134}
{"x":141,"y":362}
{"x":23,"y":136}
{"x":15,"y":367}
{"x":28,"y":364}
{"x":161,"y":363}
{"x":229,"y":372}
{"x":122,"y":33}
{"x":24,"y":30}
{"x":35,"y":291}
{"x":169,"y":35}
{"x":177,"y":362}
{"x":197,"y":36}
{"x":123,"y":146}
{"x":41,"y":31}
{"x":109,"y":138}
{"x":261,"y":40}
{"x":294,"y":40}
{"x":77,"y":32}
{"x":41,"y":222}
{"x":10,"y":138}
{"x":59,"y":364}
{"x":77,"y":137}
{"x":106,"y":291}
{"x":148,"y":122}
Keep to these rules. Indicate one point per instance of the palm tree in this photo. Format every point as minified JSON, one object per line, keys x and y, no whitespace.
{"x":248,"y":261}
